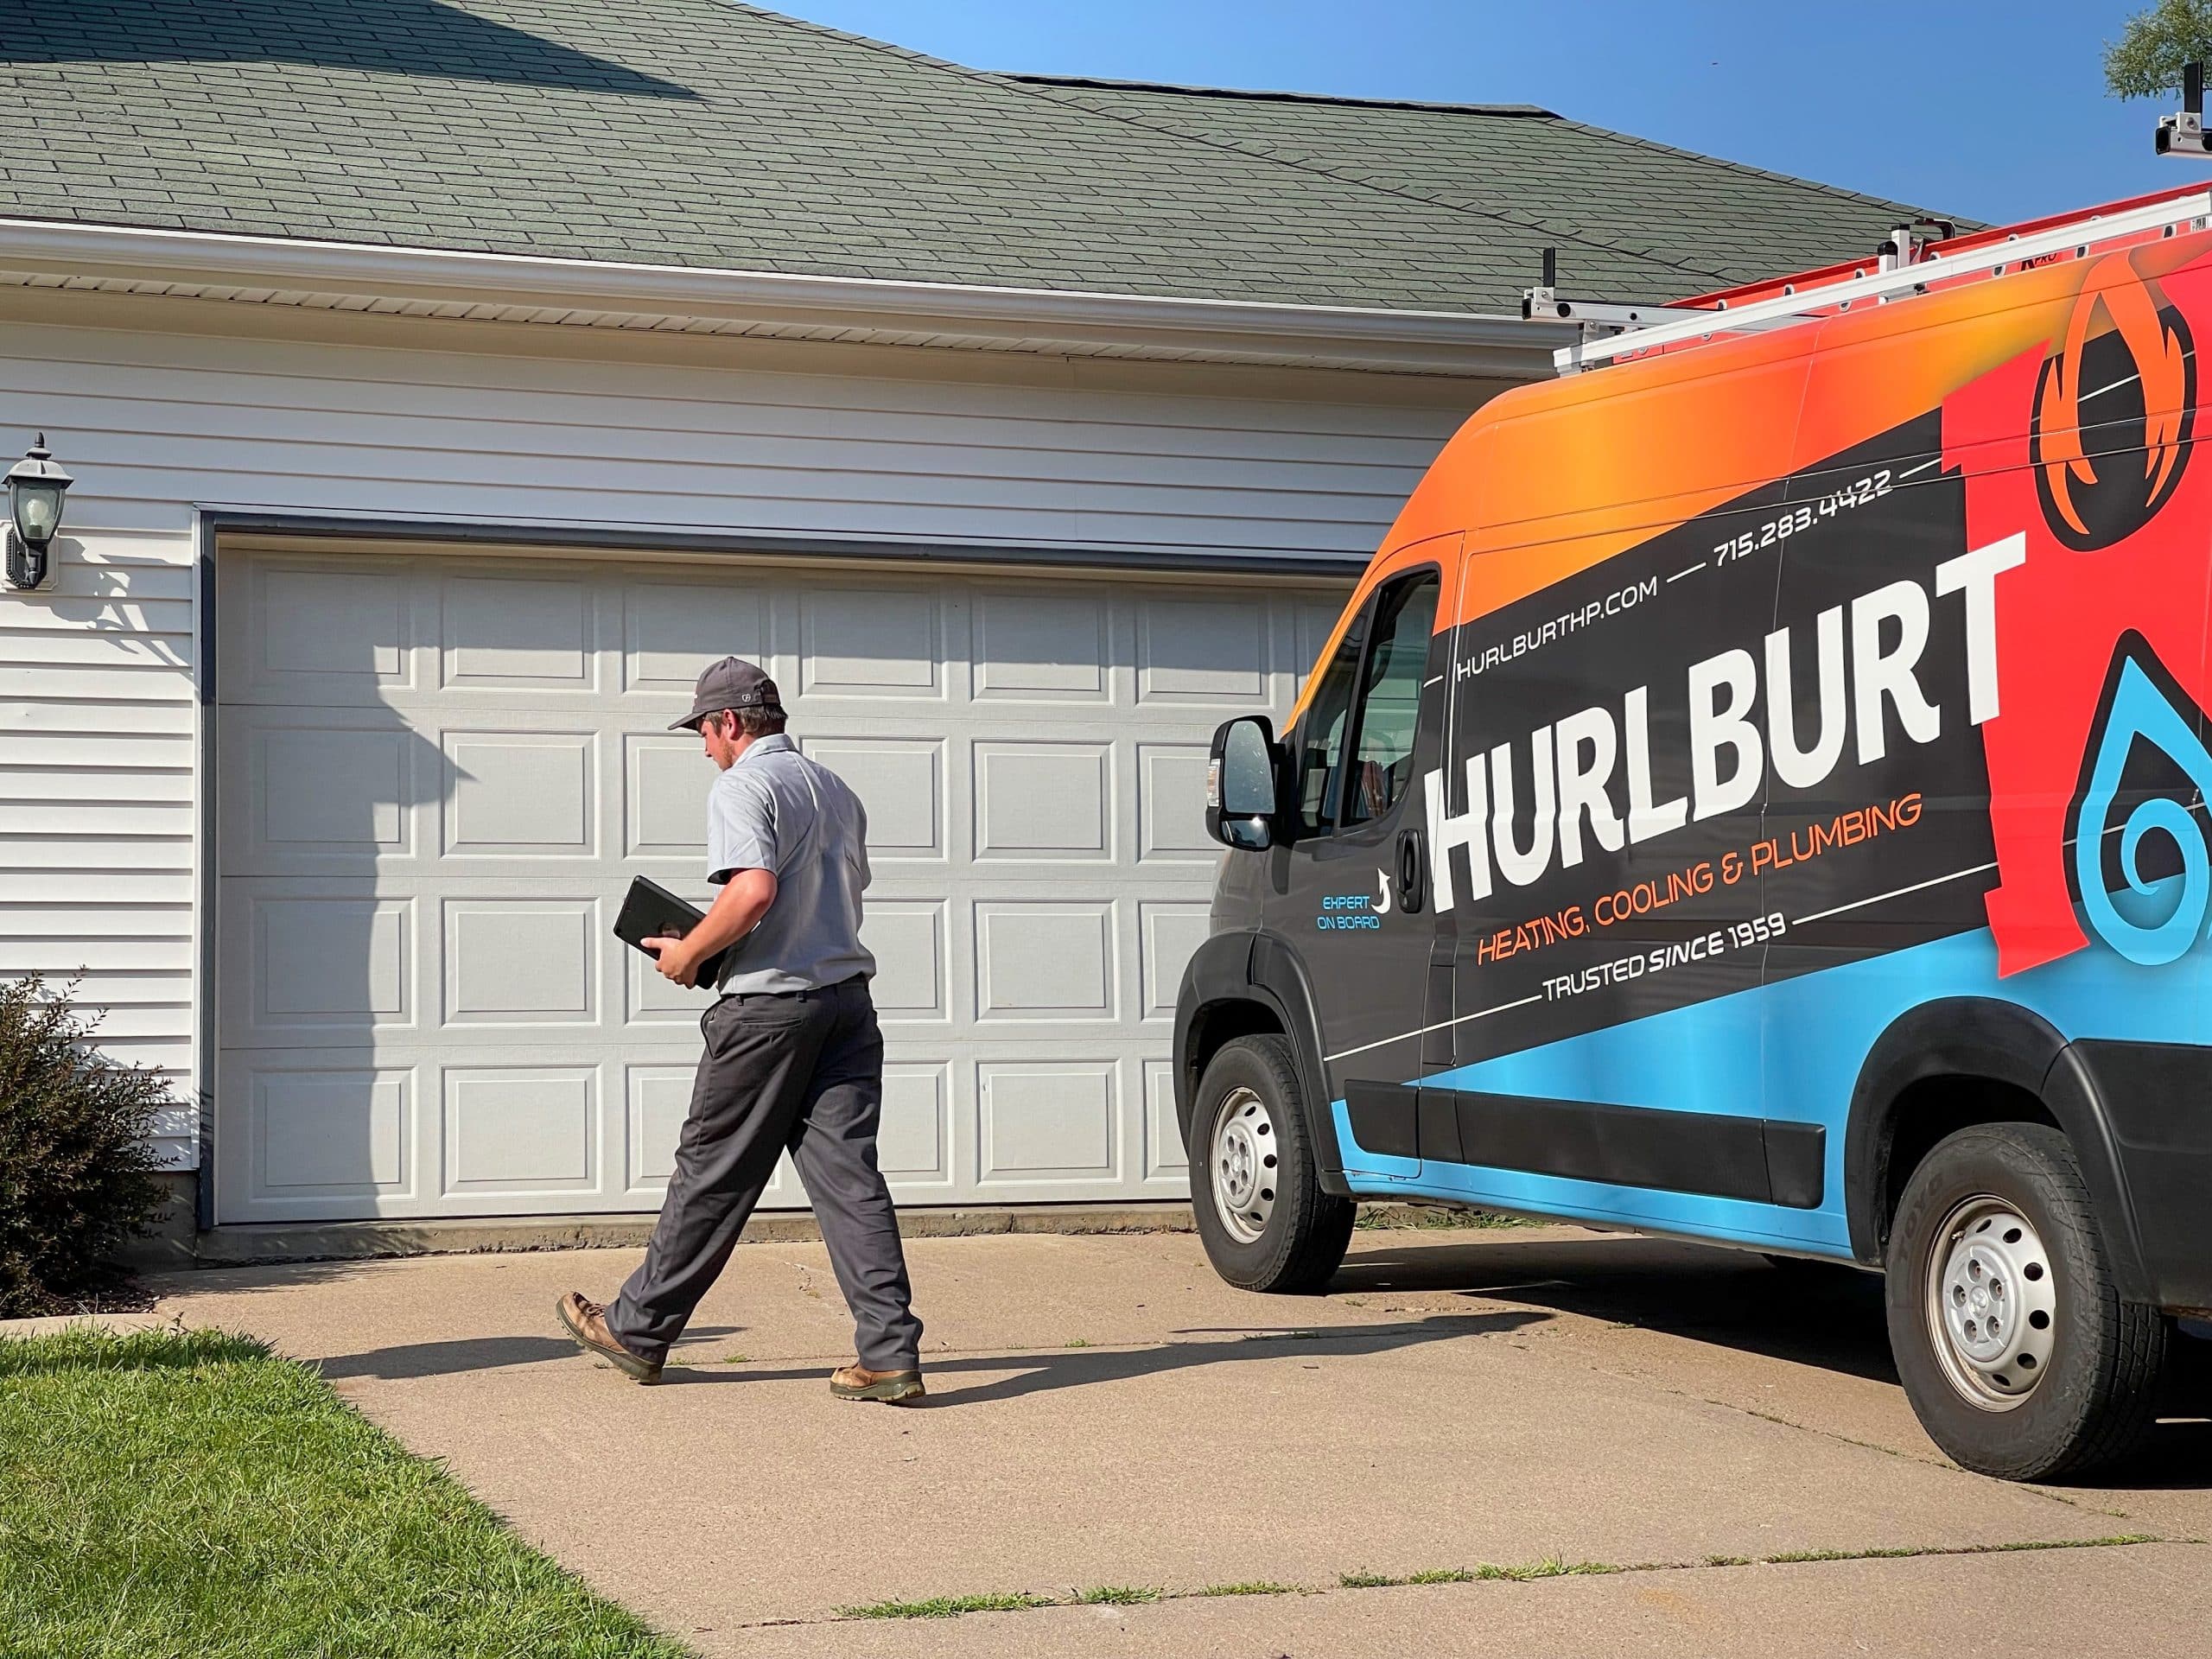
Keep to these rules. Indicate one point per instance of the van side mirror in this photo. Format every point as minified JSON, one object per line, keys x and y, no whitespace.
{"x":1241,"y":777}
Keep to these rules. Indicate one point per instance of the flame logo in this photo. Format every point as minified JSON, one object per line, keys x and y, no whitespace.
{"x":2115,"y":410}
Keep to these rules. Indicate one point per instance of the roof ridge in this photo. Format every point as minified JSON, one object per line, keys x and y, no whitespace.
{"x":1110,"y":84}
{"x":1034,"y":87}
{"x":1526,"y":221}
{"x":1677,"y":266}
{"x":1520,"y":110}
{"x":1037,"y":85}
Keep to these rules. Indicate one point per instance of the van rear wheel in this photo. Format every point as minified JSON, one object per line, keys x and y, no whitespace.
{"x":1255,"y":1188}
{"x":2015,"y":1350}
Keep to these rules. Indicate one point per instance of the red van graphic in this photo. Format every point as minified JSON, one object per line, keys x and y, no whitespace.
{"x":2086,"y":451}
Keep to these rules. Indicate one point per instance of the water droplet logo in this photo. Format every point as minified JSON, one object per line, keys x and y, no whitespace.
{"x":2150,"y":918}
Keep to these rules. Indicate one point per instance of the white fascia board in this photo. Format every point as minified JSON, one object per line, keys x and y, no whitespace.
{"x":1431,"y":341}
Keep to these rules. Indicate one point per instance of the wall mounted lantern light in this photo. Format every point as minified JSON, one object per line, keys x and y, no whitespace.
{"x":36,"y":486}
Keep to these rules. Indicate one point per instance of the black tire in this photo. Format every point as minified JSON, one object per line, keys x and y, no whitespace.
{"x":2099,"y":1387}
{"x":1303,"y":1240}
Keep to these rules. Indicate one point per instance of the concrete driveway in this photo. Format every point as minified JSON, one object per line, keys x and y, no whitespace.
{"x":1107,"y":1416}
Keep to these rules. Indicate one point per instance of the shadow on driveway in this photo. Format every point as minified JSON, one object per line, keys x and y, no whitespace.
{"x":1821,"y":1314}
{"x":1034,"y":1373}
{"x":1807,"y":1313}
{"x":417,"y":1359}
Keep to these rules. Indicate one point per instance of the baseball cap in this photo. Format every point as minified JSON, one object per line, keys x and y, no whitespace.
{"x":731,"y":684}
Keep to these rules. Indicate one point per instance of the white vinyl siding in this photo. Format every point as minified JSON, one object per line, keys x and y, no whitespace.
{"x":98,"y":716}
{"x":155,"y":422}
{"x":99,"y":672}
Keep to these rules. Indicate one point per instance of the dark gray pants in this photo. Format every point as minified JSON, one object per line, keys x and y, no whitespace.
{"x":803,"y":1071}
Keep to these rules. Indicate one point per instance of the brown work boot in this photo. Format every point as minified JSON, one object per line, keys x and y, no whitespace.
{"x":587,"y":1322}
{"x":891,"y":1387}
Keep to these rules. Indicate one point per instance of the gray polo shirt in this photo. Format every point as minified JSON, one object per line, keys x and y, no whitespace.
{"x":775,"y":810}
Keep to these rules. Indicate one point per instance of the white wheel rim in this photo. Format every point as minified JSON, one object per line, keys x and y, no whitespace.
{"x":1243,"y":1159}
{"x":1992,"y":1303}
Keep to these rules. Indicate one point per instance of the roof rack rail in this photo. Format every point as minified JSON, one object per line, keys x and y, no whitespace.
{"x":1907,"y":264}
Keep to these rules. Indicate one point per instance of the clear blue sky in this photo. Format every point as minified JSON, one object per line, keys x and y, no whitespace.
{"x":1985,"y":110}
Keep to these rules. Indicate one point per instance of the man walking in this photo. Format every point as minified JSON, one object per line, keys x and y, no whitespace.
{"x":793,"y":1059}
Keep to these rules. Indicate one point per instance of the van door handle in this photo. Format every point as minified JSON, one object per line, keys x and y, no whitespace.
{"x":1410,"y":870}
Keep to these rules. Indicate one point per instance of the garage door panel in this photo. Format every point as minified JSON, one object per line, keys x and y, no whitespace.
{"x":907,"y":937}
{"x":310,"y":968}
{"x":1044,"y":800}
{"x":436,"y":787}
{"x":1044,"y":959}
{"x":872,"y":642}
{"x":658,"y":1098}
{"x":326,"y":632}
{"x":901,"y":784}
{"x":1162,"y":1157}
{"x":351,"y":621}
{"x":1169,"y":933}
{"x":1202,"y":651}
{"x":327,"y":1134}
{"x":519,"y":631}
{"x":672,"y":630}
{"x":512,"y":961}
{"x":520,"y":794}
{"x":914,"y":1144}
{"x":1171,"y":805}
{"x":1047,"y":1123}
{"x":329,"y":792}
{"x":664,"y":795}
{"x":1032,"y":647}
{"x":520,"y":1131}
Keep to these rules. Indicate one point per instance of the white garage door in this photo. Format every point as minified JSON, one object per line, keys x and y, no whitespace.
{"x":436,"y":776}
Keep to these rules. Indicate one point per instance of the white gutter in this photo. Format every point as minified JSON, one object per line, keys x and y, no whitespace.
{"x":1437,"y":341}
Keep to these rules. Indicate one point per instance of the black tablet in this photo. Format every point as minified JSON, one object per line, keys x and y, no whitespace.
{"x":652,"y":911}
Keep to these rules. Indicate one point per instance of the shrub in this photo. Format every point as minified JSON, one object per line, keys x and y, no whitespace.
{"x":77,"y":1160}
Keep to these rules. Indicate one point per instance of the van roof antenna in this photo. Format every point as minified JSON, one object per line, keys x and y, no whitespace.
{"x":2184,"y":133}
{"x":1909,"y":241}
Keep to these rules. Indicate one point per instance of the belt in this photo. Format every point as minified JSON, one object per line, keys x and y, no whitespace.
{"x":811,"y":990}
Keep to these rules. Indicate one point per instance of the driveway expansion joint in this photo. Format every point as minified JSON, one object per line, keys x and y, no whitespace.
{"x":960,"y":1605}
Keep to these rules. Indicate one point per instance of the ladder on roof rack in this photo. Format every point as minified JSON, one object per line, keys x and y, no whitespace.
{"x":1907,"y":264}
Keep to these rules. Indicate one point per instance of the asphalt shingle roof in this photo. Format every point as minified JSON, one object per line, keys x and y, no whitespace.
{"x":704,"y":132}
{"x":1530,"y":168}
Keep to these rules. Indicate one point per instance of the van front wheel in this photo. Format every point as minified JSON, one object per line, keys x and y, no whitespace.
{"x":1266,"y":1224}
{"x":2018,"y":1355}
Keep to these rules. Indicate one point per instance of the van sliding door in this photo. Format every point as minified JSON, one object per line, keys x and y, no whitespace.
{"x":1598,"y":812}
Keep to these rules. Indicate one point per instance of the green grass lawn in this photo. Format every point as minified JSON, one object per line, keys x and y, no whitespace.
{"x":188,"y":1495}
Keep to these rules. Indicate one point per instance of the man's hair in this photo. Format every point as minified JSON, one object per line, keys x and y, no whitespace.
{"x":755,"y":722}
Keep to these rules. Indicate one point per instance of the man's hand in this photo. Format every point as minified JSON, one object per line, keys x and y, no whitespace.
{"x":737,"y":909}
{"x":673,"y":960}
